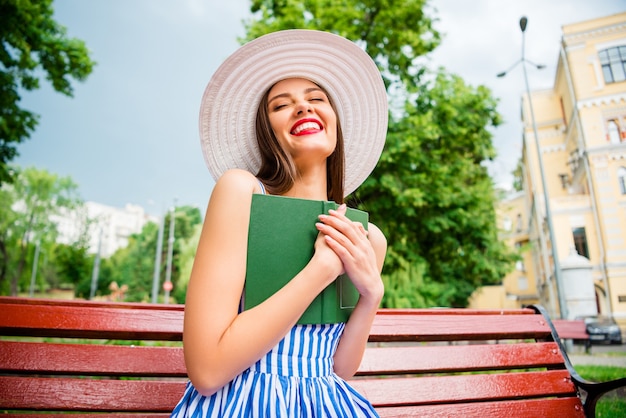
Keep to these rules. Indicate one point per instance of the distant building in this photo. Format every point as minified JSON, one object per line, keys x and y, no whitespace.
{"x":108,"y":228}
{"x":581,"y":126}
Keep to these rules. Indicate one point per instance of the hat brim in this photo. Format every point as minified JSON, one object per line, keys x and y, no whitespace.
{"x":231,"y":99}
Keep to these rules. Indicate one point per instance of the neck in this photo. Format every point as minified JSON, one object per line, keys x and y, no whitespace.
{"x":310,"y":184}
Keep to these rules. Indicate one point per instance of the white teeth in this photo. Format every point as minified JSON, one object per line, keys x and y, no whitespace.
{"x":305,"y":126}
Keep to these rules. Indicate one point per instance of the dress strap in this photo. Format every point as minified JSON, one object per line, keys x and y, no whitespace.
{"x":262,"y":186}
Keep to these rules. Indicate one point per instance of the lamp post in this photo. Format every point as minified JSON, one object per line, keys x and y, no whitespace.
{"x":157,"y":261}
{"x":523,"y":22}
{"x":167,"y":285}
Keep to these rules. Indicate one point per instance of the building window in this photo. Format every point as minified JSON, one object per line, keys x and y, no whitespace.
{"x":613,"y":132}
{"x":522,"y":283}
{"x":580,"y":242}
{"x":518,"y":223}
{"x":613,"y":61}
{"x":621,"y":179}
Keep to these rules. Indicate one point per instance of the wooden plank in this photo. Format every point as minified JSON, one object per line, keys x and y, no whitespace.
{"x":132,"y":395}
{"x":555,"y":407}
{"x":90,"y":303}
{"x":70,"y":394}
{"x":94,"y":415}
{"x":559,"y":407}
{"x":429,"y":390}
{"x":571,"y":329}
{"x":424,"y":327}
{"x":453,"y":311}
{"x":94,"y":322}
{"x":91,"y":359}
{"x":442,"y":359}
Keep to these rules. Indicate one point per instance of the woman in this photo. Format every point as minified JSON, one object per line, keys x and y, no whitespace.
{"x":299,"y":114}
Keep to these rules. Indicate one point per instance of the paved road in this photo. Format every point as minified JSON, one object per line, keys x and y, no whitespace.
{"x":601,"y":355}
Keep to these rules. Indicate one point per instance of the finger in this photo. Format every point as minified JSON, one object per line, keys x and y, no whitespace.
{"x":352,"y":230}
{"x":361,"y":228}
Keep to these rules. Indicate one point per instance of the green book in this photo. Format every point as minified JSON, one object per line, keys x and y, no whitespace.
{"x":280,"y":243}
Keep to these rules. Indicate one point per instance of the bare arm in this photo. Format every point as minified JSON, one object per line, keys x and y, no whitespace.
{"x":220,"y":343}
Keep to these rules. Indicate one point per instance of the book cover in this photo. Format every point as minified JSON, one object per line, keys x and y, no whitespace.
{"x":281,"y":241}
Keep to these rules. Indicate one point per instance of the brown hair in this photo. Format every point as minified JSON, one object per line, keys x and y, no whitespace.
{"x":278,"y":170}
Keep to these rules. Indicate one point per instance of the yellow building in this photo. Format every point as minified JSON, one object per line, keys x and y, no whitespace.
{"x":581,"y":131}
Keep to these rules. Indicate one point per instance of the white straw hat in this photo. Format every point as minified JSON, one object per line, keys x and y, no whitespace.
{"x":351,"y":78}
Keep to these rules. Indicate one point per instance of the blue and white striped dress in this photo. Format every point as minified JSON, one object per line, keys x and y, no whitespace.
{"x":295,"y":379}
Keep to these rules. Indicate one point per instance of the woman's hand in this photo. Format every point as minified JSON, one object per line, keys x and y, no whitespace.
{"x":350,"y":244}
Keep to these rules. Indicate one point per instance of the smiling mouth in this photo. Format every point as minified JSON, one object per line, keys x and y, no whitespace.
{"x":306,"y":128}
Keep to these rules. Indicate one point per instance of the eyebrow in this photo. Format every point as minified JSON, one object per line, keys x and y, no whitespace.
{"x":306,"y":91}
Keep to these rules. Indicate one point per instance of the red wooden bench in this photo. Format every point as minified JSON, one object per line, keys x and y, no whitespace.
{"x":58,"y":356}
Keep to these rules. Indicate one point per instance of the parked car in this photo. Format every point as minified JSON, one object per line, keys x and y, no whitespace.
{"x":603,"y":329}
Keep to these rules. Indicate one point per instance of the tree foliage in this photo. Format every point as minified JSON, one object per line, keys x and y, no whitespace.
{"x":133,"y":265}
{"x":27,"y":211}
{"x":393,"y":32}
{"x":430,"y":193}
{"x":432,"y":196}
{"x":32,"y":43}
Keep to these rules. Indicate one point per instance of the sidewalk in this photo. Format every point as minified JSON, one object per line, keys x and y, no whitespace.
{"x":597,"y":360}
{"x":600,"y":355}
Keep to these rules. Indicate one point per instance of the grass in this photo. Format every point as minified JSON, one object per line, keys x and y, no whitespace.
{"x":612,"y":404}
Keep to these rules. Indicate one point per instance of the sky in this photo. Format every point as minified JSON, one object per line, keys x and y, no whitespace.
{"x":130,"y":133}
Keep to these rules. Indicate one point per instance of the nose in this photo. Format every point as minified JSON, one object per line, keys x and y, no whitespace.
{"x":303,"y":107}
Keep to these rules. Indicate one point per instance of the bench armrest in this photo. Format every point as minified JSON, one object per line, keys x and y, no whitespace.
{"x":591,"y":392}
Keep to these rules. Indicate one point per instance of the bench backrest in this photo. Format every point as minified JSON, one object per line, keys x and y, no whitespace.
{"x":425,"y":362}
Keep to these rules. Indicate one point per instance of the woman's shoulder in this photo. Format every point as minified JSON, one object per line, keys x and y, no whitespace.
{"x":378,"y":240}
{"x":238,"y":181}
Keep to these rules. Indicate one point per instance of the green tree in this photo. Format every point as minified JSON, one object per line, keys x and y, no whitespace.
{"x":433,"y":197}
{"x":134,"y":265}
{"x":395,"y":33}
{"x":430,"y":193}
{"x":32,"y":44}
{"x":73,"y":264}
{"x":518,"y":176}
{"x":27,"y":211}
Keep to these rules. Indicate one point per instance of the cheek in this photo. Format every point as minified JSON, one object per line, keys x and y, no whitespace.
{"x":273,"y":119}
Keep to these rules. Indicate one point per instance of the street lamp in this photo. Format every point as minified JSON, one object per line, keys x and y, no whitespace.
{"x":167,"y":285}
{"x":523,"y":22}
{"x":157,"y":261}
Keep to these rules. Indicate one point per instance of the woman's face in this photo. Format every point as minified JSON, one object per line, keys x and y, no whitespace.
{"x":302,"y":119}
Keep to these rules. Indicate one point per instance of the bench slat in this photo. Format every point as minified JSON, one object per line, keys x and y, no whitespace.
{"x":571,"y":329}
{"x":69,"y":394}
{"x":95,"y":322}
{"x":557,"y":407}
{"x":449,"y":358}
{"x":453,"y":311}
{"x":131,"y":395}
{"x":91,"y":359}
{"x":439,"y":327}
{"x":429,"y":390}
{"x":10,"y":300}
{"x":90,"y":415}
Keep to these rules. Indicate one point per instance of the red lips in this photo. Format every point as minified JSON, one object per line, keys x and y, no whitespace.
{"x":306,"y":126}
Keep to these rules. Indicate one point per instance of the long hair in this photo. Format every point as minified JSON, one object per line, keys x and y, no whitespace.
{"x":278,"y":171}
